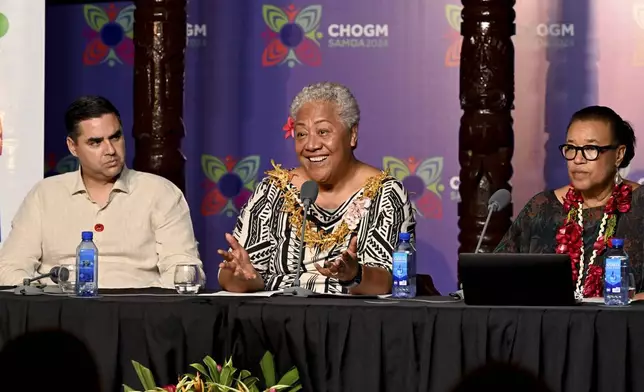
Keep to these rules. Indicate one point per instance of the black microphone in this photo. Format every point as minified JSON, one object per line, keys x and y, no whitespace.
{"x":28,"y":289}
{"x":308,"y":194}
{"x":498,"y":201}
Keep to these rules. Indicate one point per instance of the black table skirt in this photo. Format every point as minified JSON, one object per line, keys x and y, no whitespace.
{"x":344,"y":344}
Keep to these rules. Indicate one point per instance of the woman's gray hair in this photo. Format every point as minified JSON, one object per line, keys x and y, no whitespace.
{"x":335,"y":93}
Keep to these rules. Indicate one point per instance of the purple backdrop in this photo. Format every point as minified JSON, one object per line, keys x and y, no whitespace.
{"x":241,"y":89}
{"x":247,"y":59}
{"x":245,"y":62}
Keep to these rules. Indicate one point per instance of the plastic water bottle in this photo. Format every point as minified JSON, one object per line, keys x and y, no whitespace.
{"x":87,"y":266}
{"x":618,"y":278}
{"x":404,"y":268}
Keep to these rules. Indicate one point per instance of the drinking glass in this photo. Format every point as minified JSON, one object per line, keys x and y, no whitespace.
{"x":67,"y":278}
{"x":186,"y":279}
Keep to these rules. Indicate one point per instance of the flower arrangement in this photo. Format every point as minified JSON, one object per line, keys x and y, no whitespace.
{"x":212,"y":377}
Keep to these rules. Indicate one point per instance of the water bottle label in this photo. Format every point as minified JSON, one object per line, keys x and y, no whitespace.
{"x":400,"y":268}
{"x":613,"y":275}
{"x":86,"y":266}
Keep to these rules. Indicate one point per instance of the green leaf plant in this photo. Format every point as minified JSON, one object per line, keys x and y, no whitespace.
{"x":212,"y":377}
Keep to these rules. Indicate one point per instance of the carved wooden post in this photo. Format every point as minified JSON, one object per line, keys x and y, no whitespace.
{"x":486,"y":137}
{"x":160,"y":44}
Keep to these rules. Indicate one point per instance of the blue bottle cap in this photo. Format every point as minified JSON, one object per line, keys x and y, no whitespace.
{"x":617,"y":242}
{"x":87,"y":235}
{"x":404,"y":236}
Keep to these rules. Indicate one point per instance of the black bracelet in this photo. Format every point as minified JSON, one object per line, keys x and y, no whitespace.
{"x":355,"y":281}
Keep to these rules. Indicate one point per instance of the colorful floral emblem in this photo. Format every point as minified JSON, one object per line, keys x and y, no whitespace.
{"x":109,"y":33}
{"x":422,"y":181}
{"x":292,"y":35}
{"x":230,"y":183}
{"x":453,"y":53}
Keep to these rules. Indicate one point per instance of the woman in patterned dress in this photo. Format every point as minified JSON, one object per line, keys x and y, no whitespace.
{"x":355,"y":220}
{"x":580,"y":219}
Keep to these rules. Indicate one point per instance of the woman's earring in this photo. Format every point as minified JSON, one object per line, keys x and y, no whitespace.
{"x":618,"y":178}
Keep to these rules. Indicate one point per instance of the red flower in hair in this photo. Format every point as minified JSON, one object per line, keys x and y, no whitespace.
{"x":289,"y":128}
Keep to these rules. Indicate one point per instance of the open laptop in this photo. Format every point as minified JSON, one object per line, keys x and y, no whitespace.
{"x":516,"y":279}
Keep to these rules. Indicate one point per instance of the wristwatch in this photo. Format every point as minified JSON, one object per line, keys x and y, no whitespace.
{"x":349,"y":284}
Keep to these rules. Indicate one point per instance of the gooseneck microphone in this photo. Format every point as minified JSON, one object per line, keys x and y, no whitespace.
{"x":27,"y":289}
{"x":308,"y":194}
{"x":498,"y":201}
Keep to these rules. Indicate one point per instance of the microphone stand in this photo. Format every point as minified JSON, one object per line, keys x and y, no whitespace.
{"x":490,"y":209}
{"x":295,"y":290}
{"x":27,"y":289}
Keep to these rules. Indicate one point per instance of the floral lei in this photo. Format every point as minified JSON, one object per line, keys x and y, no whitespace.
{"x":570,"y":237}
{"x":312,"y":236}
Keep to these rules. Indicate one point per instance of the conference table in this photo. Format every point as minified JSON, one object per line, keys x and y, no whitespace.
{"x":342,"y":343}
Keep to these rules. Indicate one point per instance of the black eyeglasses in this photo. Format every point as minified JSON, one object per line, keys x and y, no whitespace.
{"x":589,"y":152}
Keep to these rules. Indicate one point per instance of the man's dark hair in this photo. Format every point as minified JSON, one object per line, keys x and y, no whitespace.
{"x":85,"y":108}
{"x":622,"y":130}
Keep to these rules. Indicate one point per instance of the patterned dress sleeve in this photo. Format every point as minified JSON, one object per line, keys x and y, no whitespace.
{"x":630,"y":227}
{"x":394,"y":215}
{"x":252,"y":230}
{"x":514,"y":240}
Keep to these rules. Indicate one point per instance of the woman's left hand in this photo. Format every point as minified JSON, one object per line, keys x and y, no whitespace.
{"x":345,"y":267}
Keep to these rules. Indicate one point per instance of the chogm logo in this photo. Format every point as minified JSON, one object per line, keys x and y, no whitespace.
{"x":453,"y":53}
{"x":422,"y":181}
{"x":196,"y":35}
{"x":638,"y":14}
{"x":229,"y":184}
{"x":555,"y":30}
{"x":358,"y":35}
{"x":292,"y":35}
{"x":4,"y":25}
{"x":553,"y":35}
{"x":109,"y":35}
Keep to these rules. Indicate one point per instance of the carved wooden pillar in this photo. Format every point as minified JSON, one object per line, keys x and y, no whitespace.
{"x":160,"y":44}
{"x":486,"y":137}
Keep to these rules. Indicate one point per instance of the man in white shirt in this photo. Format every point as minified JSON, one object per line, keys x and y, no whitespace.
{"x":141,"y":221}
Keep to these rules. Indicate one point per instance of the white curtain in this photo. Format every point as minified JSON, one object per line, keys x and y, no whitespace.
{"x":22,"y":103}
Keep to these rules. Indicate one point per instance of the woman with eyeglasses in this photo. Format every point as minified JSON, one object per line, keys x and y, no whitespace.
{"x":581,"y":218}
